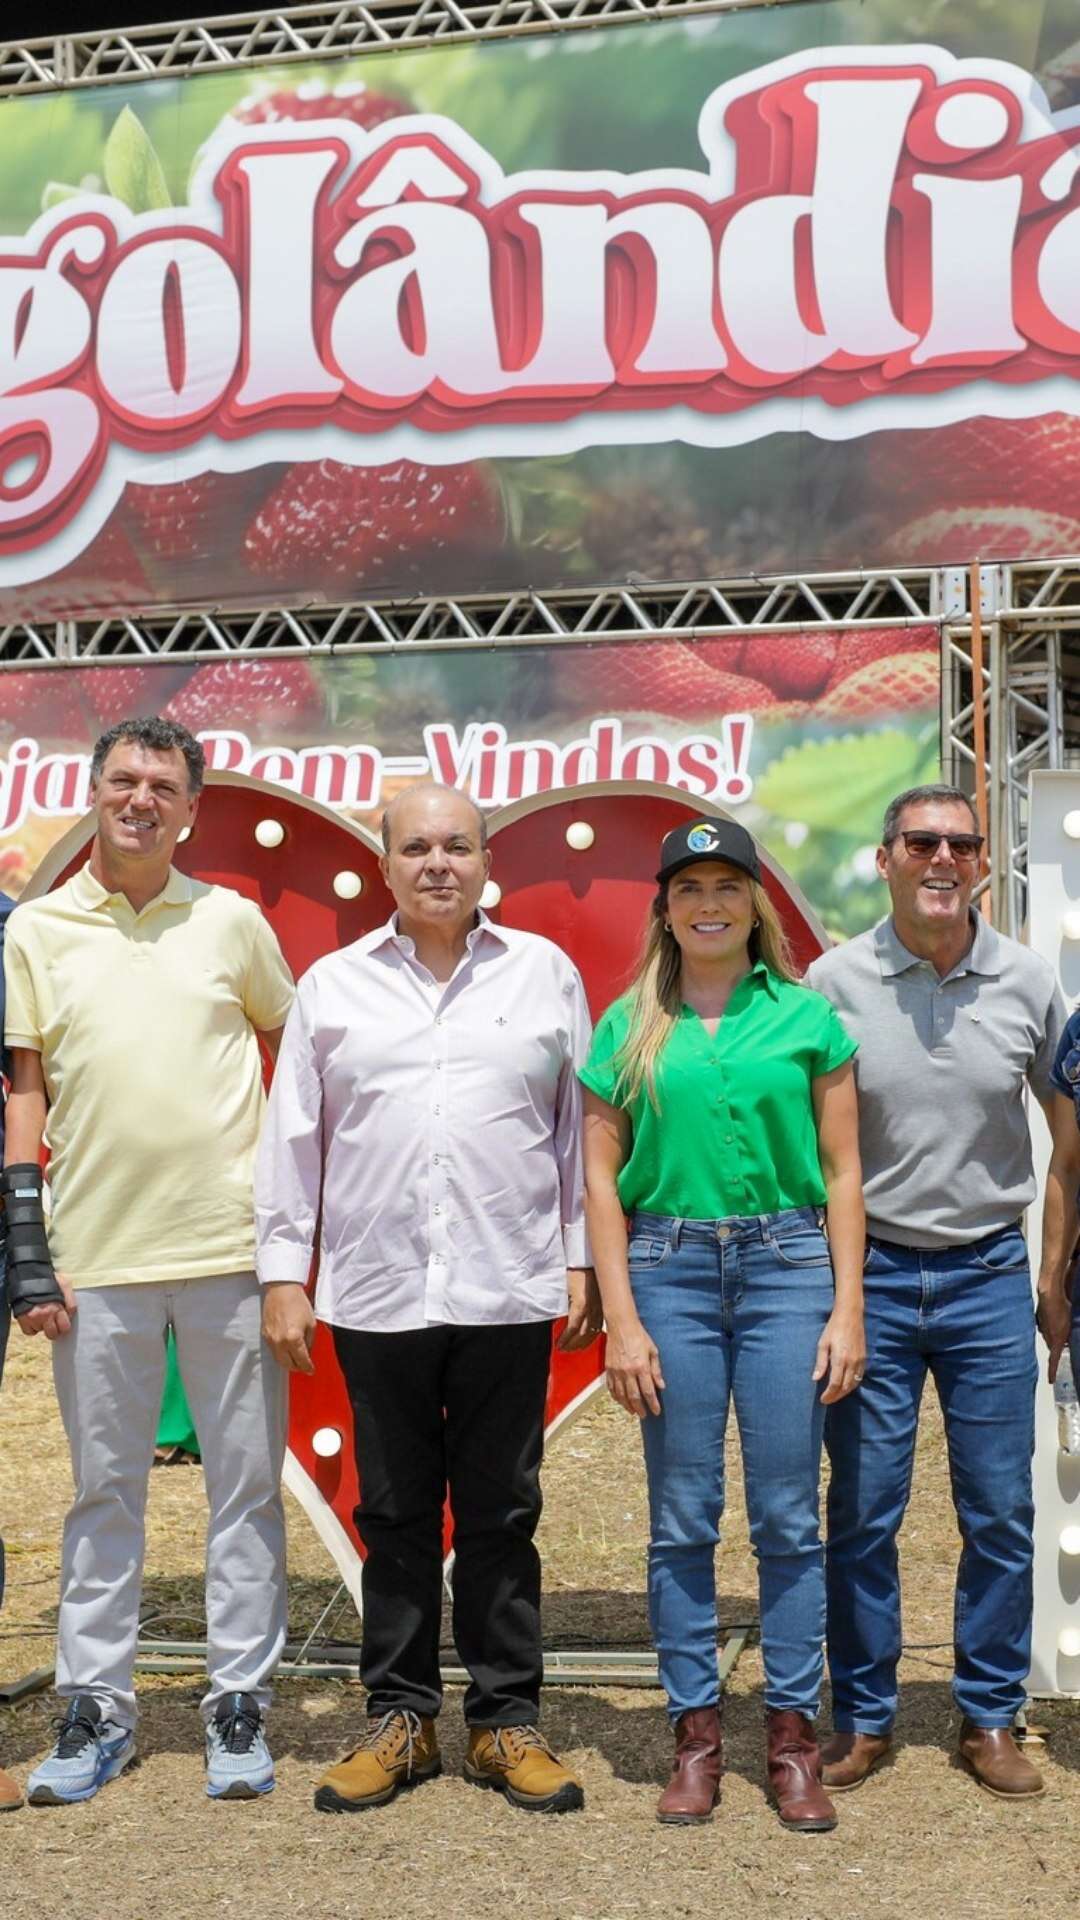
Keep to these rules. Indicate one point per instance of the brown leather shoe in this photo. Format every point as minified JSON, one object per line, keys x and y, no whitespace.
{"x":992,"y":1755}
{"x":847,"y":1759}
{"x":397,"y":1751}
{"x":694,"y":1787}
{"x":794,"y":1766}
{"x":10,"y":1795}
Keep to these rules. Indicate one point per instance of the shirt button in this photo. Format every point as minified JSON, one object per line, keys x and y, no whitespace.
{"x":438,"y":1066}
{"x":437,"y":1209}
{"x":434,"y":1159}
{"x":438,"y":1019}
{"x":436,"y":1109}
{"x":729,"y":1139}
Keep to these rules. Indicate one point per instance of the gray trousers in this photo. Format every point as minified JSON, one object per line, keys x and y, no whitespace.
{"x":109,"y":1372}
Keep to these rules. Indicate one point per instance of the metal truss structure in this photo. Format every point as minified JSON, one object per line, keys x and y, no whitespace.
{"x":1031,"y":666}
{"x":272,"y":35}
{"x":692,"y":610}
{"x":1030,"y":692}
{"x":1030,"y":696}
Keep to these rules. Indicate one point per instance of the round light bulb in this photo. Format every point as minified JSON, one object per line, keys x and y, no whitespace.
{"x":269,"y":833}
{"x":348,"y":885}
{"x":1069,"y":1642}
{"x":1071,"y":824}
{"x":580,"y":835}
{"x":326,"y":1442}
{"x":1070,"y":923}
{"x":1070,"y":1540}
{"x":491,"y":895}
{"x":184,"y":834}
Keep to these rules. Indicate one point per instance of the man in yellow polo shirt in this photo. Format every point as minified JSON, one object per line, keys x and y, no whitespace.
{"x":135,"y":998}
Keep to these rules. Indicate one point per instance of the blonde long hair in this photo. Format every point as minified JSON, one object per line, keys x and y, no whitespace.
{"x":655,"y":991}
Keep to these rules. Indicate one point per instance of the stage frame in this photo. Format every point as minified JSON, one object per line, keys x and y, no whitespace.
{"x":272,"y":36}
{"x":1031,"y":667}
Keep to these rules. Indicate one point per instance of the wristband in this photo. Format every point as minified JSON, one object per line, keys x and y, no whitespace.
{"x":31,"y":1280}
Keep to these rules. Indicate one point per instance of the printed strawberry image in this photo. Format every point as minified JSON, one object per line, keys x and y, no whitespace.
{"x":185,"y":518}
{"x":981,"y":489}
{"x":960,"y":534}
{"x":795,"y":665}
{"x":328,"y":527}
{"x":801,"y":666}
{"x":860,"y":649}
{"x":671,"y":679}
{"x":106,"y":578}
{"x":312,"y":101}
{"x":984,"y":461}
{"x":277,"y":695}
{"x":122,"y":693}
{"x":43,"y":705}
{"x":896,"y":683}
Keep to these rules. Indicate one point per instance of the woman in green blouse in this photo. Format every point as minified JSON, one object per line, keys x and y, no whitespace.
{"x":721,"y":1118}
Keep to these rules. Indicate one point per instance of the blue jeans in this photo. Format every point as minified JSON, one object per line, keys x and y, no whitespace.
{"x":964,"y":1314}
{"x":736,"y":1308}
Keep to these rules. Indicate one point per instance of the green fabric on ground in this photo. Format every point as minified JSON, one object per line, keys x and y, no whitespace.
{"x":175,"y":1427}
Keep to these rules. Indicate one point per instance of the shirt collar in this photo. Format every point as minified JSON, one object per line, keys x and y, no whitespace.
{"x":983,"y":956}
{"x":391,"y":935}
{"x":90,"y":893}
{"x":768,"y":979}
{"x":759,"y":975}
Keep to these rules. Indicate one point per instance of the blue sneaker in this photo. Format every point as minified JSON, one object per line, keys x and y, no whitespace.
{"x":88,"y":1752}
{"x":238,"y":1762}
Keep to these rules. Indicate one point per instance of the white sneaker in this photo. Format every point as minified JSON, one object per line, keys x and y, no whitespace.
{"x":88,"y":1752}
{"x":238,"y":1762}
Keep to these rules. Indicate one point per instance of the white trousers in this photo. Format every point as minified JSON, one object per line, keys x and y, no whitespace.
{"x":109,"y":1371}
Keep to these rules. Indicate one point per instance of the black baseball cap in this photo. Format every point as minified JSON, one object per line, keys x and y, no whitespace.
{"x":708,"y":840}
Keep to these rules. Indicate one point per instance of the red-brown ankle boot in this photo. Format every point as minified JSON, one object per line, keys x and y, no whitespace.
{"x":794,"y":1765}
{"x":694,"y":1787}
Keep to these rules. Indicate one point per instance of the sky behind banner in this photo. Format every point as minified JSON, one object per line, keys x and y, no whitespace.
{"x":803,"y":736}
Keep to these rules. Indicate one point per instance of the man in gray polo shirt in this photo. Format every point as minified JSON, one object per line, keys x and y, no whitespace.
{"x":953,"y":1020}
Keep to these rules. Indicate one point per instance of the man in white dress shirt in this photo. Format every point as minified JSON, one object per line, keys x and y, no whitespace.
{"x":426,"y":1101}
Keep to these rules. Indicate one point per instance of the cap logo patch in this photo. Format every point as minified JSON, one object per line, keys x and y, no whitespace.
{"x":703,"y":838}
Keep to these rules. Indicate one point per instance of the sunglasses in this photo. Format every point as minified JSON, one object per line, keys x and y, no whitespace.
{"x":923,"y":846}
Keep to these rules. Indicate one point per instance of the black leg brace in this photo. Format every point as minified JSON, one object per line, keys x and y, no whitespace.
{"x":31,"y":1281}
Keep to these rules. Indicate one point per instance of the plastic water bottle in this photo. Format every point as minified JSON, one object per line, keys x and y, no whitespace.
{"x":1068,"y":1406}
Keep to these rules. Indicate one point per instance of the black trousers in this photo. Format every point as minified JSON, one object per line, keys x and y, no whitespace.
{"x":458,"y":1410}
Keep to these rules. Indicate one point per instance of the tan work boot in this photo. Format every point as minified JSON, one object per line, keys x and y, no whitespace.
{"x":517,"y":1761}
{"x":399,"y":1750}
{"x":992,"y":1755}
{"x":10,"y":1795}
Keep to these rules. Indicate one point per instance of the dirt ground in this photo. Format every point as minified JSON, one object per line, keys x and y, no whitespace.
{"x":920,"y":1837}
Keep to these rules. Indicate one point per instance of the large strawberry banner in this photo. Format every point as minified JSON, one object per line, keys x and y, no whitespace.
{"x":792,"y":289}
{"x":803,"y":736}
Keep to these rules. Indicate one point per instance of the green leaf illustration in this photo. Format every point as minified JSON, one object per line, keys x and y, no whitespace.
{"x":133,"y":172}
{"x":830,"y":783}
{"x":56,"y":191}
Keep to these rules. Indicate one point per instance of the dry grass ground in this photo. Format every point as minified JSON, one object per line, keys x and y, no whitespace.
{"x":919,"y":1837}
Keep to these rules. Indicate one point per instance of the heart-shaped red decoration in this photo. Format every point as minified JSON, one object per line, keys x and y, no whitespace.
{"x":592,"y":901}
